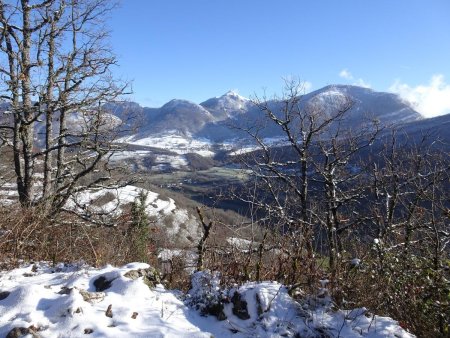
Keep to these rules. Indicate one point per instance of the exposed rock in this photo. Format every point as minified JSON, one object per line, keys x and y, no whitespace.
{"x":134,"y":315}
{"x":4,"y":294}
{"x":239,"y":306}
{"x":88,"y":331}
{"x":65,"y":290}
{"x":92,"y":297}
{"x":150,"y":276}
{"x":19,"y":332}
{"x":102,"y":284}
{"x":215,"y":309}
{"x":108,"y":312}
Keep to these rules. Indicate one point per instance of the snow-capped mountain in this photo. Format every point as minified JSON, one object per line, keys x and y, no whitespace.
{"x":226,"y":106}
{"x":212,"y":118}
{"x":386,"y":107}
{"x":183,"y":116}
{"x":181,"y":127}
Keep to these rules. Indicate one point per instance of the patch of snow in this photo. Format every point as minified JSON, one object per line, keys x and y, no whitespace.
{"x":355,"y":262}
{"x":9,"y":185}
{"x":175,"y":143}
{"x":175,"y":161}
{"x":9,"y":193}
{"x":38,"y":300}
{"x":276,"y":141}
{"x":179,"y":225}
{"x":121,"y":155}
{"x":119,"y":198}
{"x":241,"y":244}
{"x":168,"y":254}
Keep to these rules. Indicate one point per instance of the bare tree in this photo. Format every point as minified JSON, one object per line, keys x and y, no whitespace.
{"x":56,"y":68}
{"x":409,"y":220}
{"x":340,"y":178}
{"x":288,"y":174}
{"x":410,"y":198}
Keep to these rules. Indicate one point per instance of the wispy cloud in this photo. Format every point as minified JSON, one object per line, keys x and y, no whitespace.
{"x":430,"y":100}
{"x":347,"y":75}
{"x":360,"y":82}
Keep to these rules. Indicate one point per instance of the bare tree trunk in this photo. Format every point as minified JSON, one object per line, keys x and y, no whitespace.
{"x":48,"y":157}
{"x":201,"y":246}
{"x":26,"y":127}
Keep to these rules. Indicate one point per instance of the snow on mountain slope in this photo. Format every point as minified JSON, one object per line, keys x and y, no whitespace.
{"x":170,"y":140}
{"x":387,"y":107}
{"x":181,"y":115}
{"x":165,"y":150}
{"x":118,"y":199}
{"x":228,"y":105}
{"x":182,"y":126}
{"x":180,"y":226}
{"x":364,"y":105}
{"x":78,"y":301}
{"x":78,"y":124}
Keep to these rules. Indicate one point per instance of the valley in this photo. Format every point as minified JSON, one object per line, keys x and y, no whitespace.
{"x":227,"y":169}
{"x":311,"y":183}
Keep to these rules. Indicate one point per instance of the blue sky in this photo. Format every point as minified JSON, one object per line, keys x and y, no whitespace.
{"x":197,"y":49}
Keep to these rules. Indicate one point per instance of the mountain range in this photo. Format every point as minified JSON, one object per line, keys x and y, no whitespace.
{"x":169,"y":135}
{"x":213,"y":118}
{"x":181,"y":131}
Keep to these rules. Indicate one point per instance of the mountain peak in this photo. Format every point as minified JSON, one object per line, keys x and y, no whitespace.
{"x":233,"y":94}
{"x":227,"y":105}
{"x":175,"y":102}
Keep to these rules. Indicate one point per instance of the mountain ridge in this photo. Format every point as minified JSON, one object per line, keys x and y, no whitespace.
{"x":212,"y":118}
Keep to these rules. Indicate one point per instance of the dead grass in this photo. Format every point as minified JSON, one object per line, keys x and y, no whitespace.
{"x":30,"y":235}
{"x":409,"y":291}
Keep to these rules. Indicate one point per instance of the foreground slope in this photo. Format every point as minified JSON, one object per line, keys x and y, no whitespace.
{"x":80,"y":301}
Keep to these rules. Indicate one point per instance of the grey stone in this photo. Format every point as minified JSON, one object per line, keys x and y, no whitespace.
{"x":4,"y":294}
{"x":150,"y":276}
{"x":102,"y":284}
{"x":239,"y":306}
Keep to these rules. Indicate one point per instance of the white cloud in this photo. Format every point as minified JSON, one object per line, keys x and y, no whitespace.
{"x":430,"y":100}
{"x":345,"y":74}
{"x":361,"y":83}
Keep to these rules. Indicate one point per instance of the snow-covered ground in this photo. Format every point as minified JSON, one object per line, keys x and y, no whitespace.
{"x":78,"y":301}
{"x":118,"y":199}
{"x":122,"y":155}
{"x":174,"y":142}
{"x":276,"y":141}
{"x":180,"y":226}
{"x":177,"y":223}
{"x":177,"y":145}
